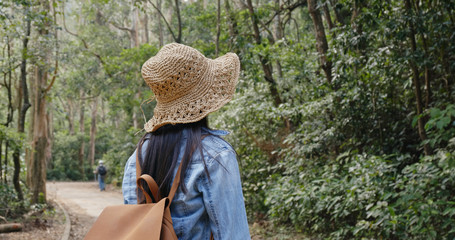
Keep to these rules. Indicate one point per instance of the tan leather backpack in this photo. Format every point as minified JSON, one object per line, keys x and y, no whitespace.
{"x":143,"y":221}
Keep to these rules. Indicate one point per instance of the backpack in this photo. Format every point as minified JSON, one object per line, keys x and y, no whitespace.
{"x":151,"y":220}
{"x":102,"y":170}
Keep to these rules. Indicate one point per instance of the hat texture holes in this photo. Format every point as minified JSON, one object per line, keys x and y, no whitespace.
{"x":187,"y":85}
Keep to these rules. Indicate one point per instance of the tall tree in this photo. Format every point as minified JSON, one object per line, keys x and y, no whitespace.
{"x":160,"y":25}
{"x":218,"y":28}
{"x":23,"y":99}
{"x":327,"y":16}
{"x":91,"y":155}
{"x":321,"y":39}
{"x":82,"y":133}
{"x":7,"y":83}
{"x":278,"y":33}
{"x":36,"y":163}
{"x":232,"y":23}
{"x":416,"y":78}
{"x":145,"y":22}
{"x":265,"y":63}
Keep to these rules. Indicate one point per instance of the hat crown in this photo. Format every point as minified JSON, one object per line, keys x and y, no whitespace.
{"x":187,"y":85}
{"x":173,"y":71}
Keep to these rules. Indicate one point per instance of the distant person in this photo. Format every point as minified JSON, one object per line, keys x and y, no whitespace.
{"x":101,"y":171}
{"x":188,"y":86}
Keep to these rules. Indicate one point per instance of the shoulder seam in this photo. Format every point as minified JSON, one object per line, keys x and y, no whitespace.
{"x":212,"y":159}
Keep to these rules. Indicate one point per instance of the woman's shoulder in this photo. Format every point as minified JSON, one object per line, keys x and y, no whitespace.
{"x":214,"y":144}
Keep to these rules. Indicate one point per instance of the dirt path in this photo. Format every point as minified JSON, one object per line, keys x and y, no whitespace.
{"x":84,"y":202}
{"x":85,"y":195}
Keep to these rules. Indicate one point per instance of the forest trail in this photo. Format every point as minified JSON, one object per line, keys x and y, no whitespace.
{"x":84,"y":203}
{"x":84,"y":196}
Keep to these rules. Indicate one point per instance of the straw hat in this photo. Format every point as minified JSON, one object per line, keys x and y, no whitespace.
{"x":187,"y":85}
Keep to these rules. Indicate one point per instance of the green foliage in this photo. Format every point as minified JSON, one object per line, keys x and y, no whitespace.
{"x":337,"y":159}
{"x":65,"y":164}
{"x":440,"y":126}
{"x":350,"y":166}
{"x":361,"y":196}
{"x":122,"y":145}
{"x":10,"y":206}
{"x":15,"y":140}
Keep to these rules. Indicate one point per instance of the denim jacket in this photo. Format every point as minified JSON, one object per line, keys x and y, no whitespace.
{"x":212,"y":205}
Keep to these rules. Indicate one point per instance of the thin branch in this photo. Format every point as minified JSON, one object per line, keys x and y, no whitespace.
{"x":56,"y":53}
{"x":115,"y":25}
{"x":118,"y":73}
{"x":90,"y":97}
{"x":297,"y":27}
{"x":53,"y":77}
{"x":282,"y":8}
{"x":165,"y":21}
{"x":83,"y":41}
{"x":268,"y":31}
{"x":12,"y":68}
{"x":121,"y":28}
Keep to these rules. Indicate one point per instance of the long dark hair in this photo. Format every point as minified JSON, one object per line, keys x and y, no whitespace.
{"x":164,"y":144}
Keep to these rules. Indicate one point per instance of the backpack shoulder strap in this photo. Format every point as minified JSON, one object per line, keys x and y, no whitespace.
{"x":150,"y":182}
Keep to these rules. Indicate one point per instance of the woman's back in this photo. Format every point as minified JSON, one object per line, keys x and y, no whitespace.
{"x":213,"y":201}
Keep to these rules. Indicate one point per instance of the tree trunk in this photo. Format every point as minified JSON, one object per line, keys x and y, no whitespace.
{"x":103,"y":112}
{"x":427,"y":72}
{"x":9,"y":117}
{"x":160,"y":25}
{"x":70,"y":116}
{"x":6,"y":159}
{"x":233,"y":31}
{"x":8,"y":85}
{"x":50,"y":134}
{"x":416,"y":81}
{"x":145,"y":20}
{"x":91,"y":155}
{"x":321,"y":40}
{"x":357,"y":26}
{"x":82,"y":135}
{"x":179,"y":20}
{"x":327,"y":16}
{"x":278,"y":34}
{"x":37,"y":164}
{"x":218,"y":28}
{"x":134,"y":29}
{"x":266,"y":66}
{"x":1,"y":165}
{"x":23,"y":105}
{"x":36,"y":169}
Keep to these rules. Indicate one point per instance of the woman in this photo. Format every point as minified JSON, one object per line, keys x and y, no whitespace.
{"x":188,"y":87}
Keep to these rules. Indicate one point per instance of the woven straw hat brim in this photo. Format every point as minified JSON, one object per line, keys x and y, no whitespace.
{"x":217,"y":89}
